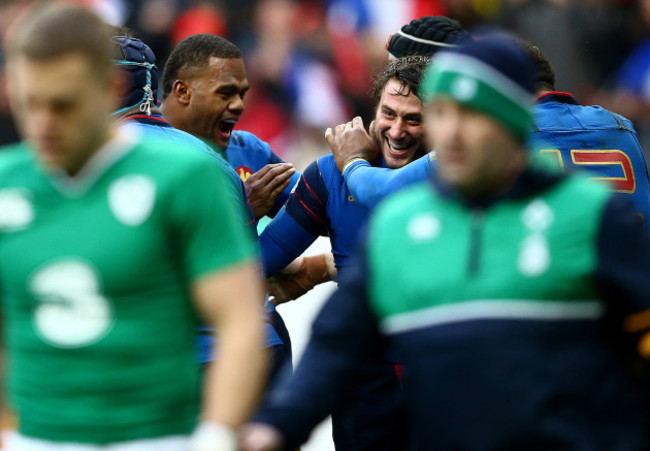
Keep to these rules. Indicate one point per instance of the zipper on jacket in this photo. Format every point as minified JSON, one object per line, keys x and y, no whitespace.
{"x":476,"y":235}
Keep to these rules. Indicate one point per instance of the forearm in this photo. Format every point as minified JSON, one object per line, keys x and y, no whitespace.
{"x":233,"y":389}
{"x":368,"y":184}
{"x":230,"y":303}
{"x":282,"y":242}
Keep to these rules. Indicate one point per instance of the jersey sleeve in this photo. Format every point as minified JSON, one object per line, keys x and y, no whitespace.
{"x":624,"y":264}
{"x":307,"y":205}
{"x":369,"y":185}
{"x":282,"y":241}
{"x":206,"y":221}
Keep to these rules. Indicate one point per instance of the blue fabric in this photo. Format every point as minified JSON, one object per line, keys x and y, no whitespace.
{"x":581,"y":133}
{"x":247,"y":154}
{"x":282,"y":241}
{"x":321,"y":205}
{"x":370,"y":185}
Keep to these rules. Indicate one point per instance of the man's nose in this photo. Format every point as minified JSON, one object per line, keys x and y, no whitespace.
{"x":237,"y":104}
{"x":397,"y":130}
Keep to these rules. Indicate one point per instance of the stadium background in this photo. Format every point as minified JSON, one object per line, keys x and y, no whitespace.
{"x":310,"y":64}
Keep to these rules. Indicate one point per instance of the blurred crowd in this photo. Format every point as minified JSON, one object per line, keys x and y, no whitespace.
{"x":310,"y":62}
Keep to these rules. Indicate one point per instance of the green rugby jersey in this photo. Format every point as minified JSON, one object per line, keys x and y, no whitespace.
{"x":94,"y":272}
{"x":434,"y":260}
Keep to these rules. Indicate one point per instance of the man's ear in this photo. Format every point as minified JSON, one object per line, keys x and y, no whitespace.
{"x":182,"y":91}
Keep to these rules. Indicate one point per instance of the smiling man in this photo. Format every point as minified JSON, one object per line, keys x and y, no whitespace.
{"x":322,"y":205}
{"x":514,"y":294}
{"x":204,"y":85}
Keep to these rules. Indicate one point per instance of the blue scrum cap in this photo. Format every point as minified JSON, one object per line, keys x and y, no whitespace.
{"x":139,"y":61}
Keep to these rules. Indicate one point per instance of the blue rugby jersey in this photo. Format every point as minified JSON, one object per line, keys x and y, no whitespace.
{"x":595,"y":139}
{"x":248,"y":154}
{"x":321,"y":205}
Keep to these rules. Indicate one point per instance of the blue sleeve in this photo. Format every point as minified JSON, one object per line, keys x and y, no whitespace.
{"x":369,"y":185}
{"x":623,"y":272}
{"x":282,"y":241}
{"x":343,"y":334}
{"x":307,"y":205}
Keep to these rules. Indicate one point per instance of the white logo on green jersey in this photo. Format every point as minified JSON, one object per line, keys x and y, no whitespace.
{"x":132,"y":198}
{"x":424,"y":227}
{"x":16,"y":210}
{"x":71,"y":311}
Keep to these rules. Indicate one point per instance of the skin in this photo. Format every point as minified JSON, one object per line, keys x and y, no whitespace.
{"x":398,"y":126}
{"x":207,"y":97}
{"x":229,"y":301}
{"x":476,"y":154}
{"x":397,"y":131}
{"x":202,"y":99}
{"x":62,"y":107}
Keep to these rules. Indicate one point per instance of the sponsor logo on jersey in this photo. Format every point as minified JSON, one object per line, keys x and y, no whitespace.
{"x":132,"y":198}
{"x":244,"y":172}
{"x":16,"y":209}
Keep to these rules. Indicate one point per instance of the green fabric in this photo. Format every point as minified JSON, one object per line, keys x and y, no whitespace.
{"x":99,"y":325}
{"x":421,"y":246}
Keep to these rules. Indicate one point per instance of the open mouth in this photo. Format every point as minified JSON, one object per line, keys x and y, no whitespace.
{"x":398,"y":149}
{"x":226,"y":126}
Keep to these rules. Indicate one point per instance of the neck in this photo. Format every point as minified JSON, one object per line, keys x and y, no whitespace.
{"x":100,"y":141}
{"x":500,"y":181}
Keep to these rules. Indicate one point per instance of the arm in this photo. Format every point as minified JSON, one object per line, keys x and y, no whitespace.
{"x":298,"y":224}
{"x":217,"y":256}
{"x":369,"y":185}
{"x":229,"y":302}
{"x":342,"y":334}
{"x":623,"y":268}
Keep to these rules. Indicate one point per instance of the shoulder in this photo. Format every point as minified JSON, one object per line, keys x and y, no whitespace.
{"x":240,"y":138}
{"x":14,"y":159}
{"x":173,"y":160}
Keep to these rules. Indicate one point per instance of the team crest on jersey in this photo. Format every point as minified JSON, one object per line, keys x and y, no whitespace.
{"x":132,"y":198}
{"x":244,"y":172}
{"x":423,"y":227}
{"x":16,"y":209}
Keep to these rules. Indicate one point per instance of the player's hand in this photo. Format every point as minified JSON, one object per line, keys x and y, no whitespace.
{"x":351,"y":140}
{"x":264,"y":186}
{"x":300,"y":276}
{"x":260,"y":437}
